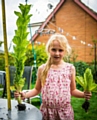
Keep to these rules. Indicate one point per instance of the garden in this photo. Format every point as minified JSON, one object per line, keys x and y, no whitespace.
{"x":80,"y":66}
{"x":34,"y":55}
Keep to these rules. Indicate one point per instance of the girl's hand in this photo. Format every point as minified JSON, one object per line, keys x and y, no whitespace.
{"x":17,"y":94}
{"x":87,"y":95}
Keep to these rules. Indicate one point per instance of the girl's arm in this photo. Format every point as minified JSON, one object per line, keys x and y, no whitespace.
{"x":75,"y":92}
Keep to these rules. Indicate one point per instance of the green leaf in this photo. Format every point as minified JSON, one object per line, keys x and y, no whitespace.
{"x":80,"y":80}
{"x":88,"y":78}
{"x":87,"y":81}
{"x":17,"y":13}
{"x":93,"y":87}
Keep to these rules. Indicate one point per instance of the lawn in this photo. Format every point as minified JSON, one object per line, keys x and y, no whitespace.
{"x":80,"y":114}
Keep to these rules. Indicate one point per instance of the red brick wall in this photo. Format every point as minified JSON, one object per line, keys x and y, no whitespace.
{"x":75,"y":21}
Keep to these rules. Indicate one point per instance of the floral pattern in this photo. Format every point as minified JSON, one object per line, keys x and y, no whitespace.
{"x":56,"y":95}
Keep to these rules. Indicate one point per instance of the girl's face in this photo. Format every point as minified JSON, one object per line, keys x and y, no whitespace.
{"x":56,"y":52}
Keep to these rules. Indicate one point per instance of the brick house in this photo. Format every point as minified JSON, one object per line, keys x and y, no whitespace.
{"x":77,"y":22}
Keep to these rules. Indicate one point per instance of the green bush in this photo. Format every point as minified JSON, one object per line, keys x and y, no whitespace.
{"x":38,"y":53}
{"x":80,"y":67}
{"x":2,"y":64}
{"x":41,"y":55}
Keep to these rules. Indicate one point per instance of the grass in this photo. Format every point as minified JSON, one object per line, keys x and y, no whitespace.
{"x":36,"y":102}
{"x":79,"y":112}
{"x":1,"y":93}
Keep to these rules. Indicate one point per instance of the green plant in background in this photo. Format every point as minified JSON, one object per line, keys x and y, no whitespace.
{"x":41,"y":55}
{"x":80,"y":67}
{"x":2,"y":63}
{"x":20,"y":46}
{"x":88,"y":85}
{"x":71,"y":58}
{"x":1,"y":43}
{"x":94,"y":72}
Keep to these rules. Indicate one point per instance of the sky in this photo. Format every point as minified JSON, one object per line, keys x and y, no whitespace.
{"x":39,"y":10}
{"x":91,"y":3}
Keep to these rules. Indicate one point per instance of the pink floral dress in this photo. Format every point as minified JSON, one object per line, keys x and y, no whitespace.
{"x":56,"y":95}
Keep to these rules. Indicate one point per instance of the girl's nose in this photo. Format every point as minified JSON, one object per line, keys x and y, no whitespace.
{"x":57,"y":52}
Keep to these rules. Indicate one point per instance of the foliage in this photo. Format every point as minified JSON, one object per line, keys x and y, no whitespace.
{"x":1,"y":43}
{"x":80,"y":67}
{"x":36,"y":53}
{"x":2,"y":63}
{"x":41,"y":54}
{"x":71,"y":58}
{"x":88,"y":85}
{"x":2,"y":60}
{"x":87,"y":81}
{"x":20,"y":45}
{"x":93,"y":67}
{"x":79,"y":113}
{"x":30,"y":58}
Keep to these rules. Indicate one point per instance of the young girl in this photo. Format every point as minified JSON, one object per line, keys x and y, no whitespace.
{"x":56,"y":82}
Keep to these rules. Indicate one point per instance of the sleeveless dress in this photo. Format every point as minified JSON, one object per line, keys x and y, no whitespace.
{"x":56,"y":97}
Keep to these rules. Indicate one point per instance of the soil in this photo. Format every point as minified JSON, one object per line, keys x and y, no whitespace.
{"x":86,"y":105}
{"x":21,"y":107}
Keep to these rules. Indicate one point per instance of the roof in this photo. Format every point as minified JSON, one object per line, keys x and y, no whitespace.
{"x":86,"y":8}
{"x":78,"y":2}
{"x":49,"y":18}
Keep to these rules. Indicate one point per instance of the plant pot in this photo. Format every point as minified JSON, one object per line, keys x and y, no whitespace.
{"x":21,"y":107}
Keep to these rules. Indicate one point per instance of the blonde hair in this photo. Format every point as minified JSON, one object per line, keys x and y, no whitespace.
{"x":65,"y":46}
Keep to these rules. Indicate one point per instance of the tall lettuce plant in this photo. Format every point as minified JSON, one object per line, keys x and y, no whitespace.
{"x":20,"y":46}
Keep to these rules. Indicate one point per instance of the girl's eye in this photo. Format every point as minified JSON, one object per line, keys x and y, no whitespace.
{"x":61,"y":50}
{"x":54,"y":50}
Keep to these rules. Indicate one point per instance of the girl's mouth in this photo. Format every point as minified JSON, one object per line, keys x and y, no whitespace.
{"x":56,"y":57}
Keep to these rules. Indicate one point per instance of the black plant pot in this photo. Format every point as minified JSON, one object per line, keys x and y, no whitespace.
{"x":21,"y":107}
